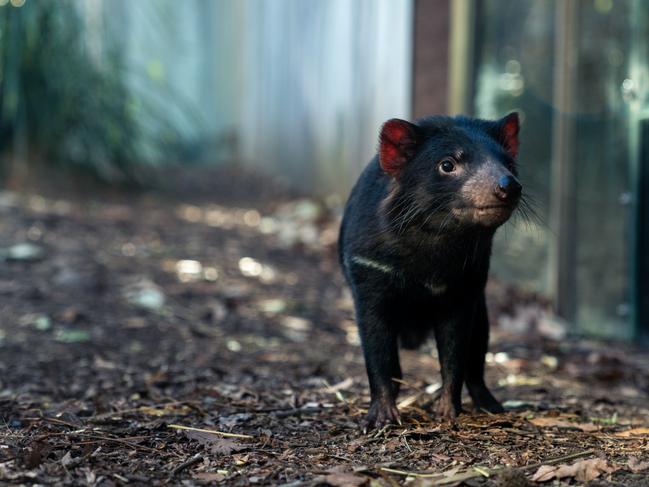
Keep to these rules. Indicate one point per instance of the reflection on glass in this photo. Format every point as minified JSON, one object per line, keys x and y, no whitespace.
{"x":514,"y":72}
{"x":516,"y":62}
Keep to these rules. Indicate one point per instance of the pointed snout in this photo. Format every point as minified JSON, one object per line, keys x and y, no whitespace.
{"x":508,"y":188}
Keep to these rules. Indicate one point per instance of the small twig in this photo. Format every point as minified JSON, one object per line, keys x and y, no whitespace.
{"x":120,"y":477}
{"x":60,"y":433}
{"x":557,"y":460}
{"x":411,"y":474}
{"x":215,"y":432}
{"x":405,"y":440}
{"x":408,"y":385}
{"x":138,"y":409}
{"x":518,"y":432}
{"x":192,"y":461}
{"x":338,"y":457}
{"x":52,"y":420}
{"x":485,"y":472}
{"x":118,"y":440}
{"x":335,"y":389}
{"x":460,"y":476}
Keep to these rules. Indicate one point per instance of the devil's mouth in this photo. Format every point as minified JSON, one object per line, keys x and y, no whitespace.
{"x":499,"y":212}
{"x":486,"y":207}
{"x":492,"y":207}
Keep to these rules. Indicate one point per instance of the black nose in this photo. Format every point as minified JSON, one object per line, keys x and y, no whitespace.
{"x":508,"y":188}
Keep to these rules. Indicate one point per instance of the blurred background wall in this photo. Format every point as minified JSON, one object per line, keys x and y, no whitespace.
{"x":298,"y":90}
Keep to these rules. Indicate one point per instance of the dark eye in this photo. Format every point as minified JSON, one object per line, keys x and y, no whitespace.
{"x":447,"y":165}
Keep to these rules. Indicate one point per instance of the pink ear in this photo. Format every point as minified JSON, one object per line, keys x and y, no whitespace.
{"x":509,"y":127}
{"x":398,"y":144}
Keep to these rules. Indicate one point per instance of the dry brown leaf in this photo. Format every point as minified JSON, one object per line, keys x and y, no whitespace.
{"x":33,"y":455}
{"x":582,"y":470}
{"x":636,"y":465}
{"x":545,"y":473}
{"x":217,"y":444}
{"x":561,"y":423}
{"x":342,"y":479}
{"x":210,"y":476}
{"x":633,"y":432}
{"x":542,"y":421}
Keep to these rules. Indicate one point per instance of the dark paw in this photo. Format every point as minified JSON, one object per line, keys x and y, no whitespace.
{"x":483,"y":400}
{"x":446,"y":409}
{"x":489,"y":405}
{"x":381,"y":413}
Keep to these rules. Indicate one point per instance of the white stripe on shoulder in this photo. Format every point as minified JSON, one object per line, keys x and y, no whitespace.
{"x":436,"y":289}
{"x":372,"y":264}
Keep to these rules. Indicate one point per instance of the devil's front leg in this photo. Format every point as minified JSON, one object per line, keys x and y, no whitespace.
{"x":451,"y":335}
{"x":477,"y":350}
{"x":379,"y":341}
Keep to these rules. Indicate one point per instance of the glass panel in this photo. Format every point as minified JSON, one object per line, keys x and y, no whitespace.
{"x":516,"y":59}
{"x":514,"y":55}
{"x":635,"y":91}
{"x":602,"y":169}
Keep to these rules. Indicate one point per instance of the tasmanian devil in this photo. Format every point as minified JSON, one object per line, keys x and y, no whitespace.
{"x":415,"y":244}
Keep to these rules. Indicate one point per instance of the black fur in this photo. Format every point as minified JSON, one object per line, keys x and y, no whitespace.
{"x":416,"y":255}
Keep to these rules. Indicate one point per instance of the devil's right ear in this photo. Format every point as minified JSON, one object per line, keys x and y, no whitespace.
{"x":398,"y":144}
{"x":505,"y":131}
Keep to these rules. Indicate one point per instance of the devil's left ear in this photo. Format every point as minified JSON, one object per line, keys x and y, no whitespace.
{"x":398,"y":143}
{"x":505,"y":131}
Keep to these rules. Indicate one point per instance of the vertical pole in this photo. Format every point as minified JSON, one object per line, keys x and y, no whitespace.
{"x":637,"y":101}
{"x":641,"y":254}
{"x":18,"y":173}
{"x":431,"y":57}
{"x":563,"y":222}
{"x":460,"y":79}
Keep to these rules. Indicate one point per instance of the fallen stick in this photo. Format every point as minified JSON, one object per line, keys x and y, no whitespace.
{"x":552,"y":461}
{"x":215,"y":432}
{"x":193,"y":460}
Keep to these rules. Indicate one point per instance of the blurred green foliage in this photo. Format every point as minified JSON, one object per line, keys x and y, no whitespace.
{"x":62,"y":106}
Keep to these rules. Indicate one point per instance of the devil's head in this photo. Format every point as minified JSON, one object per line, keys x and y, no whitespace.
{"x":451,"y":171}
